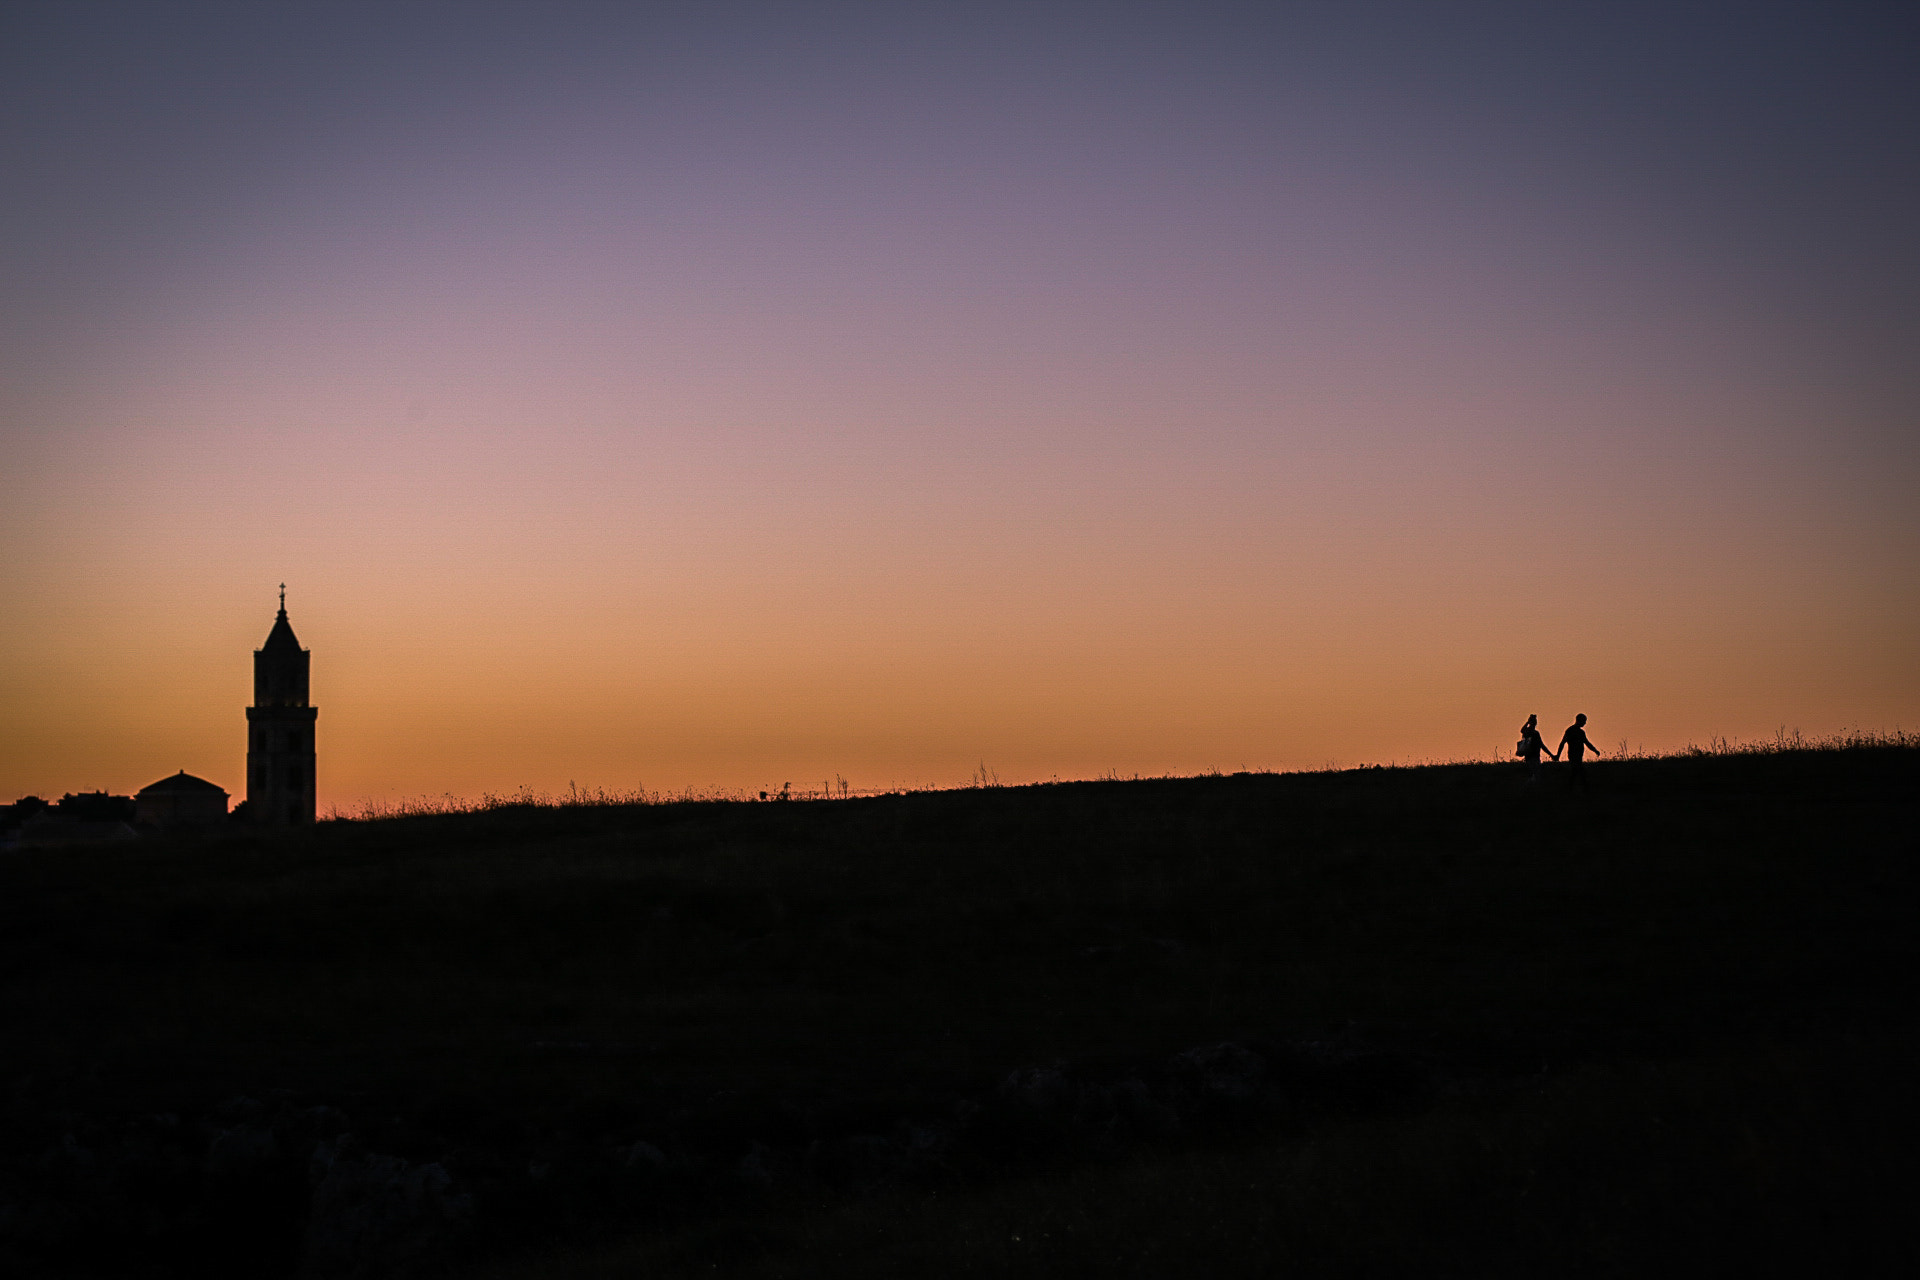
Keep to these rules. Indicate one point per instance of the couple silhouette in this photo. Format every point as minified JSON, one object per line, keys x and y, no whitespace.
{"x":1574,"y":740}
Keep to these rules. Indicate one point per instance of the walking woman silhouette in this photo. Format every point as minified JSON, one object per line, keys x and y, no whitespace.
{"x":1530,"y":748}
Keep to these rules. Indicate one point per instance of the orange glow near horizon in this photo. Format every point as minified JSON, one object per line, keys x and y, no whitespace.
{"x":906,"y":640}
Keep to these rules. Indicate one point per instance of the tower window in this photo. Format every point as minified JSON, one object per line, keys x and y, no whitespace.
{"x":293,"y":740}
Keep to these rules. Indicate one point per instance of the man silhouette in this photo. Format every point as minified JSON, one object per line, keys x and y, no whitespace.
{"x":1577,"y":743}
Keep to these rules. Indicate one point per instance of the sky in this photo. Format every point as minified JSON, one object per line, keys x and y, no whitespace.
{"x":717,"y":396}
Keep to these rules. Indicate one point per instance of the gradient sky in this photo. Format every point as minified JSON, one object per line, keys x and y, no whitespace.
{"x":723,"y":395}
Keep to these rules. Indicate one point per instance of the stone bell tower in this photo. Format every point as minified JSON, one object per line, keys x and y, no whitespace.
{"x":280,"y":730}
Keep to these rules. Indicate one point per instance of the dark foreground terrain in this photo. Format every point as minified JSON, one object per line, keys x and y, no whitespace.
{"x":1376,"y":1022}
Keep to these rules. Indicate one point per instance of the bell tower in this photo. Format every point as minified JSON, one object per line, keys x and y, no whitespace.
{"x":280,"y":730}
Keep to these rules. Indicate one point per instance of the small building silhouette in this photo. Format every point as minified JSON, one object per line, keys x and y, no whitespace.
{"x":180,"y":801}
{"x":280,"y":725}
{"x":91,"y":817}
{"x":94,"y":806}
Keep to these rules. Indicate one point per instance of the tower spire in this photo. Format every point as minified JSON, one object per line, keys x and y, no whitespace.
{"x":280,"y":723}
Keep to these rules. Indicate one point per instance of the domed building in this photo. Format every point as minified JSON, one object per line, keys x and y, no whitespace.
{"x":180,"y":801}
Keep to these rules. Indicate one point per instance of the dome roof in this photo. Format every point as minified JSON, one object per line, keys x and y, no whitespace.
{"x":183,"y":782}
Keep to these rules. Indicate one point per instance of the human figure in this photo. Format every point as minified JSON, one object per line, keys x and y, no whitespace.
{"x":1531,"y":748}
{"x":1577,"y":743}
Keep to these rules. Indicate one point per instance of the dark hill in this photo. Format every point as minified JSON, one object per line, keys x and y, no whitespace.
{"x":1372,"y":1021}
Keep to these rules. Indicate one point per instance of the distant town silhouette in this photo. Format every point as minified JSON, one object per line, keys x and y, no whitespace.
{"x":280,"y":769}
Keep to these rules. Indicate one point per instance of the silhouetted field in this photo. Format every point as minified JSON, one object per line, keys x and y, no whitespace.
{"x":1371,"y":1022}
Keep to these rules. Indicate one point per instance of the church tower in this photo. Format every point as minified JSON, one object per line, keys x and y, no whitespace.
{"x":280,"y":730}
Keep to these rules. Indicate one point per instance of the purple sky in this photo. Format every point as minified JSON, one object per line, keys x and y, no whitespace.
{"x":739,"y":391}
